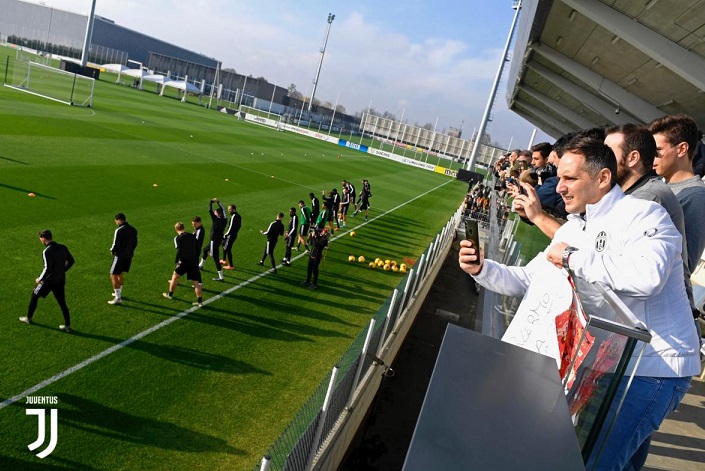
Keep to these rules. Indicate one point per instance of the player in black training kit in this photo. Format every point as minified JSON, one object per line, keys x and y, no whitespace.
{"x":199,"y":231}
{"x":315,"y":208}
{"x":57,"y":261}
{"x":319,"y":241}
{"x":123,"y":249}
{"x":291,"y":236}
{"x":213,"y":248}
{"x":273,"y":232}
{"x":363,"y":203}
{"x":230,"y":237}
{"x":187,"y":252}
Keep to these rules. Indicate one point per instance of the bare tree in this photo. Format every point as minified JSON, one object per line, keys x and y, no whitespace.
{"x":327,"y":104}
{"x":340,"y":109}
{"x":390,"y":116}
{"x":291,"y":89}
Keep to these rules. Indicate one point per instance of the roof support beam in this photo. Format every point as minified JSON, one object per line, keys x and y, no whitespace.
{"x":561,"y":110}
{"x":684,"y":63}
{"x":595,"y":103}
{"x":637,"y":107}
{"x":560,"y":126}
{"x":538,"y":123}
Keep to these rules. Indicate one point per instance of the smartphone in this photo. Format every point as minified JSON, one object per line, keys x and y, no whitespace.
{"x":516,"y":183}
{"x":473,"y":233}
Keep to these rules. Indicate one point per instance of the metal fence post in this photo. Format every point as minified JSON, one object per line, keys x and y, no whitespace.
{"x":361,"y":363}
{"x":266,"y":462}
{"x":406,"y":290}
{"x":431,"y":251}
{"x":419,"y":271}
{"x":383,"y":335}
{"x":322,"y":421}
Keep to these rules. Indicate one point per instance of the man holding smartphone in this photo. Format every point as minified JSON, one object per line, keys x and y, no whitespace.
{"x":632,"y":246}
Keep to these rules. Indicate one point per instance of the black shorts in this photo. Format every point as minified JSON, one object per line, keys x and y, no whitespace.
{"x":344,"y":209}
{"x":190,"y":269}
{"x":303,"y":230}
{"x":364,"y":204}
{"x":120,"y":265}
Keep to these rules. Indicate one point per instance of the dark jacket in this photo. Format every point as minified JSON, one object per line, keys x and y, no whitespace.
{"x":124,"y":241}
{"x":57,"y":261}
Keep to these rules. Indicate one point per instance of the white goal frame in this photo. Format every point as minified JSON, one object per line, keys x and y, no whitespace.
{"x":66,"y":87}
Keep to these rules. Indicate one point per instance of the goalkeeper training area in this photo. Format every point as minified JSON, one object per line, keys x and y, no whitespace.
{"x":157,"y":383}
{"x":49,"y":82}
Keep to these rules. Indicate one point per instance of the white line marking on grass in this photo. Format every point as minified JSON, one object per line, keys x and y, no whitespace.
{"x":180,"y":315}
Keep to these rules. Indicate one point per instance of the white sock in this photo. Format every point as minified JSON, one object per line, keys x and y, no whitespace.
{"x":118,"y":293}
{"x":220,"y":274}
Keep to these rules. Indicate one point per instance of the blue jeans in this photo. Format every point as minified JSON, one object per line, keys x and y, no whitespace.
{"x":648,"y":402}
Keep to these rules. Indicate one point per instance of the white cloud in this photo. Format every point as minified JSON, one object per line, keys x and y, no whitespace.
{"x":370,"y":55}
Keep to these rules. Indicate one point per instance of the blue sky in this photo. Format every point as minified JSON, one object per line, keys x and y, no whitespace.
{"x":427,"y":58}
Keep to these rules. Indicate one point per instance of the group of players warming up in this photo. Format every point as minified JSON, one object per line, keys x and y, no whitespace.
{"x":310,"y":227}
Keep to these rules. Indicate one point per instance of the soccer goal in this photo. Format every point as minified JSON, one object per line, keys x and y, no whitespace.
{"x":23,"y":54}
{"x":260,"y":116}
{"x":49,"y":82}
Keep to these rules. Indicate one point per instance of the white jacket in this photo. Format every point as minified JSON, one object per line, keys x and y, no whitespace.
{"x":632,"y":246}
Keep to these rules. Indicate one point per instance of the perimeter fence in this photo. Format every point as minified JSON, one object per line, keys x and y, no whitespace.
{"x":298,"y":446}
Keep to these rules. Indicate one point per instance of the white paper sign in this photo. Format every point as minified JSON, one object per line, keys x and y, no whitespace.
{"x":534,"y":325}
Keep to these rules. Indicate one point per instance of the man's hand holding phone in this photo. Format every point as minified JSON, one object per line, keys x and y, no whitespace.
{"x":470,"y":255}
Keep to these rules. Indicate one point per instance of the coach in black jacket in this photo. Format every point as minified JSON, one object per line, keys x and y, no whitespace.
{"x":57,"y":261}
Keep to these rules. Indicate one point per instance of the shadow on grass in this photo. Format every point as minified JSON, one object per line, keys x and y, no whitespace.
{"x":185,"y":356}
{"x":146,"y":307}
{"x":13,"y":160}
{"x":24,"y":190}
{"x":298,"y":311}
{"x":46,"y":464}
{"x":98,"y":419}
{"x":262,"y":327}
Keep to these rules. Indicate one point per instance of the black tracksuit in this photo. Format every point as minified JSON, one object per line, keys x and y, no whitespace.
{"x":57,"y":261}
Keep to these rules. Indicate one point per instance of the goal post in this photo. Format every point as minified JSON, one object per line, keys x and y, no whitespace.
{"x":51,"y":83}
{"x":258,"y":116}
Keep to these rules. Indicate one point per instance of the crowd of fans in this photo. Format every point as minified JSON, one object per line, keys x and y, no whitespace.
{"x":623,"y":206}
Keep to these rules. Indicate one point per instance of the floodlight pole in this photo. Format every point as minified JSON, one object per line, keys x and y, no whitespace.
{"x":493,"y":93}
{"x":89,"y":35}
{"x":215,"y":81}
{"x":331,"y":17}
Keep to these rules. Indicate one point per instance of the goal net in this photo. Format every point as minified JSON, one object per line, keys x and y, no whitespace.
{"x":23,"y":54}
{"x":49,"y":82}
{"x":258,"y":116}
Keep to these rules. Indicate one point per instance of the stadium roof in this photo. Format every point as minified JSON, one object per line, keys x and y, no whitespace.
{"x":585,"y":63}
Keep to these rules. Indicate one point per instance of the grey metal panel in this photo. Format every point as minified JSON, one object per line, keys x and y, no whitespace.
{"x":564,"y":128}
{"x":686,"y":64}
{"x":493,"y":406}
{"x":642,"y":109}
{"x":139,"y":45}
{"x":569,"y":114}
{"x":605,"y":109}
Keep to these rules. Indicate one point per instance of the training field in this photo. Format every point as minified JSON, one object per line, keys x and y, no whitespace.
{"x":215,"y":387}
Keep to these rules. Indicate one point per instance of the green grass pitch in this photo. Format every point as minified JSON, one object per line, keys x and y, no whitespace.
{"x":213,"y":389}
